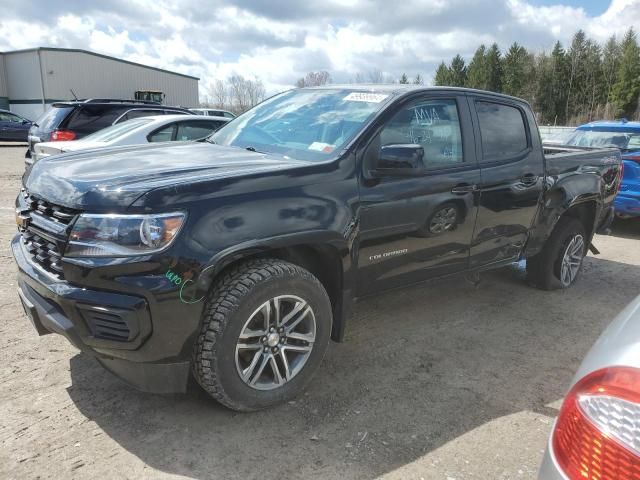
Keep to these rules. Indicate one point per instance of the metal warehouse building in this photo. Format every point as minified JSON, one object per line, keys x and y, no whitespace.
{"x":32,"y":79}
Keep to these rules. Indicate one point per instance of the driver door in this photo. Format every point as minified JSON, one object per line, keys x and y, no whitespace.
{"x":416,"y":221}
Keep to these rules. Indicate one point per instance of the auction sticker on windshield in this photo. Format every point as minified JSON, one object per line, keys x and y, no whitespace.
{"x":365,"y":97}
{"x":321,"y":147}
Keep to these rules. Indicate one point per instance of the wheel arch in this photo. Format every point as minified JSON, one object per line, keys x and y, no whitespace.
{"x":328,"y":259}
{"x":586,"y":210}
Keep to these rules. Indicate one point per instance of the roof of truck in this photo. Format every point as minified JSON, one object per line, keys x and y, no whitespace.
{"x":398,"y":88}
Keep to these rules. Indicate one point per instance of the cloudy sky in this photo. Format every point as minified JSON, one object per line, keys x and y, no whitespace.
{"x":280,"y":40}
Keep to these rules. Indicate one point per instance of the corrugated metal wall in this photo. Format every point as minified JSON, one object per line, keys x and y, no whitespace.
{"x":4,"y":96}
{"x":3,"y":78}
{"x":23,"y":75}
{"x":95,"y":76}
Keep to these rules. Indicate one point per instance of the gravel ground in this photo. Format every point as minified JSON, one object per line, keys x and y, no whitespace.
{"x":441,"y":381}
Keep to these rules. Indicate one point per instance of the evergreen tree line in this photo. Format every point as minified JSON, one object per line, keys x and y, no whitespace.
{"x":586,"y":82}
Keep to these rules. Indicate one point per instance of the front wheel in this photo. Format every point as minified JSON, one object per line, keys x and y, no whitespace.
{"x":265,"y":330}
{"x":559,"y":263}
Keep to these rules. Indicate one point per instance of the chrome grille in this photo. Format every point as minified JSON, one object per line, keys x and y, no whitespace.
{"x":43,"y":252}
{"x":46,"y":234}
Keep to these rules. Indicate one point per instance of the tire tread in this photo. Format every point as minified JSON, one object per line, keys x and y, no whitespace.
{"x":225,"y":297}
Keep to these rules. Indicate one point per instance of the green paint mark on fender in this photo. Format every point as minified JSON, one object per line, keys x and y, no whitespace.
{"x":182,"y":283}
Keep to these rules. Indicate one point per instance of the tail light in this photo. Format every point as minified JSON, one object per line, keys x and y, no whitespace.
{"x":597,"y":435}
{"x":62,"y":135}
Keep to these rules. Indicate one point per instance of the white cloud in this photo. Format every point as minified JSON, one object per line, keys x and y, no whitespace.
{"x":279,"y":40}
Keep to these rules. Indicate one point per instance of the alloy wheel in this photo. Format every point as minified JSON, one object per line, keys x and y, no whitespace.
{"x":571,"y":260}
{"x":275,"y":342}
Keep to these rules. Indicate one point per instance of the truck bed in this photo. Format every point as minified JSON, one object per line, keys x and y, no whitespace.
{"x":563,"y":158}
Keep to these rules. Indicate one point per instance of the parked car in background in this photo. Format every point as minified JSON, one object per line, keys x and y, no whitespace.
{"x":597,"y":433}
{"x":212,"y":112}
{"x":163,"y":128}
{"x":74,"y":120}
{"x":625,"y":136}
{"x":13,"y":127}
{"x":239,"y":257}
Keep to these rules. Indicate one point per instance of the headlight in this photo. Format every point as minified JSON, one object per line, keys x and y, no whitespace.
{"x":122,"y":235}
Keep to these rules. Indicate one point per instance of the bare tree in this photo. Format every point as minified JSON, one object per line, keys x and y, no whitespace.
{"x":359,"y":78}
{"x":375,"y":76}
{"x":255,"y":91}
{"x":314,"y":79}
{"x":219,"y":91}
{"x":244,"y":92}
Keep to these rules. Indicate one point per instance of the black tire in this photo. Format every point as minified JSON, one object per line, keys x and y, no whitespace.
{"x":232,"y":301}
{"x":544,"y":269}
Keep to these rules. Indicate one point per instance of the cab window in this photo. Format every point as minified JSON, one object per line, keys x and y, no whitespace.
{"x":503,"y":131}
{"x":432,"y":124}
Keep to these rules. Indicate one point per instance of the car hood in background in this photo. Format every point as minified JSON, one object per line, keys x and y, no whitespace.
{"x":115,"y":177}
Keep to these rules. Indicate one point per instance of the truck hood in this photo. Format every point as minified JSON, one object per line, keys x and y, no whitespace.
{"x":103,"y":179}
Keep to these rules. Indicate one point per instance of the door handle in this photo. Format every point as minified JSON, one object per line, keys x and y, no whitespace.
{"x":529,"y":179}
{"x":464,"y":188}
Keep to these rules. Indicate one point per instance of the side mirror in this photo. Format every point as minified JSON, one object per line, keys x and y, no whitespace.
{"x":400,"y":160}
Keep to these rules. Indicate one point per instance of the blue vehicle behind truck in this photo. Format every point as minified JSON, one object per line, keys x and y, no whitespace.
{"x":625,"y":136}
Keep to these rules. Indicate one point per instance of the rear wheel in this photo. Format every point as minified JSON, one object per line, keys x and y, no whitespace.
{"x":559,"y":263}
{"x":265,"y":330}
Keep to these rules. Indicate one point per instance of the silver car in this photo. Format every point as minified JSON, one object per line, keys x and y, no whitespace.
{"x":158,"y":128}
{"x":597,"y":433}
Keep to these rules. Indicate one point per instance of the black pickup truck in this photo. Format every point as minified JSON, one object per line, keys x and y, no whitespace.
{"x":238,"y":258}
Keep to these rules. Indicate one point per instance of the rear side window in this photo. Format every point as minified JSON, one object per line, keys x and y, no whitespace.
{"x":165,"y":134}
{"x":195,"y":130}
{"x":91,"y":118}
{"x":502,"y":129}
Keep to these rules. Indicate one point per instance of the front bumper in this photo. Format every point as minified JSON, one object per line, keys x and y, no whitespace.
{"x":116,"y":328}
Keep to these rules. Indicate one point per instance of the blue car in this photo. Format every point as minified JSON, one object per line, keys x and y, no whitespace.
{"x":625,"y":136}
{"x":13,"y":127}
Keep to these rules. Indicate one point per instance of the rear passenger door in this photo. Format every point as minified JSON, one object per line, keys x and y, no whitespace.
{"x":512,"y":178}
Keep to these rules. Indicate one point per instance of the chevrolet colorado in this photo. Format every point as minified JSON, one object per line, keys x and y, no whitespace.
{"x":238,"y":258}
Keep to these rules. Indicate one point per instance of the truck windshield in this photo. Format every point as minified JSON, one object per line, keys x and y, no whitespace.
{"x":625,"y":141}
{"x":312,"y":125}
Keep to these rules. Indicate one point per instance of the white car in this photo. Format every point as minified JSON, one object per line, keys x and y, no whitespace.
{"x":213,"y":112}
{"x":159,"y":128}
